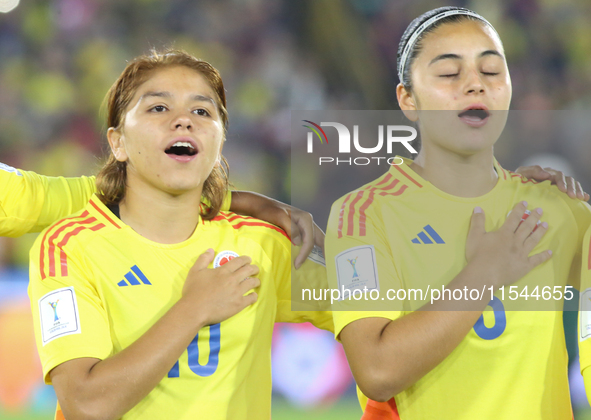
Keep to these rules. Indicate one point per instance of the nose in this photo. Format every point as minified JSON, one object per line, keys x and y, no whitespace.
{"x":182,"y":121}
{"x":474,"y":84}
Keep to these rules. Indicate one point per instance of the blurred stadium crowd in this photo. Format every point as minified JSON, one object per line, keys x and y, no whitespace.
{"x":58,"y":58}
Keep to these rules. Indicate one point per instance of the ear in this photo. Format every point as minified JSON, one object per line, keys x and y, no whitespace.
{"x":117,"y":144}
{"x":406,"y":102}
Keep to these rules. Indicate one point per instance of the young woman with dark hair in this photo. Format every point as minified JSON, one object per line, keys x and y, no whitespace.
{"x":148,"y":304}
{"x":451,"y":360}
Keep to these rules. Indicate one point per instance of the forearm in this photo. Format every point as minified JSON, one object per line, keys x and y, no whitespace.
{"x":407,"y":348}
{"x":298,"y":224}
{"x":250,"y":203}
{"x":115,"y":385}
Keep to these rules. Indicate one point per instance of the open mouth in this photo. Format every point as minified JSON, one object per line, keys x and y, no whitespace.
{"x":479,"y":114}
{"x":181,"y":148}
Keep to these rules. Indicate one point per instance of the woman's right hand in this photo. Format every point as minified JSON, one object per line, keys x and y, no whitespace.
{"x":503,"y":254}
{"x":219,"y":293}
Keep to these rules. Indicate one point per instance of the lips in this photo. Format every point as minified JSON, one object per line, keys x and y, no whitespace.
{"x":182,"y":149}
{"x":475,"y":115}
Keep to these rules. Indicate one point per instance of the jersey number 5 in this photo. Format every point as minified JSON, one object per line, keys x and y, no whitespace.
{"x":193,"y":352}
{"x":500,"y":321}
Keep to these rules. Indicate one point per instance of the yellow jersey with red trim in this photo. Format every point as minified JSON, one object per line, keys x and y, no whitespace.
{"x":401,"y":232}
{"x":30,"y":202}
{"x":96,"y":286}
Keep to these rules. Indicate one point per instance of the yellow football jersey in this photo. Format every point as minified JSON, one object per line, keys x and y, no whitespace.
{"x":30,"y":202}
{"x":584,"y":324}
{"x":401,"y":232}
{"x":96,"y":286}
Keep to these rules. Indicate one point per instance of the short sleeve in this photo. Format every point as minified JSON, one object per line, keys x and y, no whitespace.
{"x":355,"y":261}
{"x":312,"y":274}
{"x":69,"y":318}
{"x":30,"y":202}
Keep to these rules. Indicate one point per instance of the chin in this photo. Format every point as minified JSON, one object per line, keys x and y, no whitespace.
{"x":473,"y":144}
{"x":471,"y":150}
{"x":182,"y":187}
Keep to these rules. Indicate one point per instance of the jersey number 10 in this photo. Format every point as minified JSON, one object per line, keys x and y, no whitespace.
{"x":193,"y":352}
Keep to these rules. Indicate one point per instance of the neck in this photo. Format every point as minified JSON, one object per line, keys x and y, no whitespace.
{"x":160,"y":216}
{"x":462,"y":176}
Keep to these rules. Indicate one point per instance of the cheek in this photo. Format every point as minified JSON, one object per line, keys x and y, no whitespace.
{"x":214,"y":135}
{"x":439,"y":98}
{"x":502,"y":94}
{"x":216,"y":152}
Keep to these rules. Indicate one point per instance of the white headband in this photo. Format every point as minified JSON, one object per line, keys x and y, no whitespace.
{"x":417,"y":33}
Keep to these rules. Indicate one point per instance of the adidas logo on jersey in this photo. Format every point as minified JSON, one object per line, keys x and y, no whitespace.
{"x":132,"y":280}
{"x":428,"y":236}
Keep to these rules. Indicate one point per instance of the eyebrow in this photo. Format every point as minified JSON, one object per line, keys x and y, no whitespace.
{"x":197,"y":98}
{"x":459,"y":57}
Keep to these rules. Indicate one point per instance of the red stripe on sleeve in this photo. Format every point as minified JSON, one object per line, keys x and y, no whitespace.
{"x":342,"y":215}
{"x":352,"y":213}
{"x":524,"y":180}
{"x":364,"y":206}
{"x":267,"y":225}
{"x":408,"y":176}
{"x":42,"y":253}
{"x":97,"y":208}
{"x":248,"y":222}
{"x":239,"y":216}
{"x":232,"y":218}
{"x":363,"y":217}
{"x":371,"y":188}
{"x":52,"y":239}
{"x":396,"y":193}
{"x":386,"y":179}
{"x":63,"y":256}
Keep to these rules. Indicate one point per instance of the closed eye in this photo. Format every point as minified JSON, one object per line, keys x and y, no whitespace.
{"x":489,"y":74}
{"x":449,"y":75}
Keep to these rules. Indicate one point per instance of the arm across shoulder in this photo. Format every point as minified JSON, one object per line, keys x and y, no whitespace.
{"x":30,"y":202}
